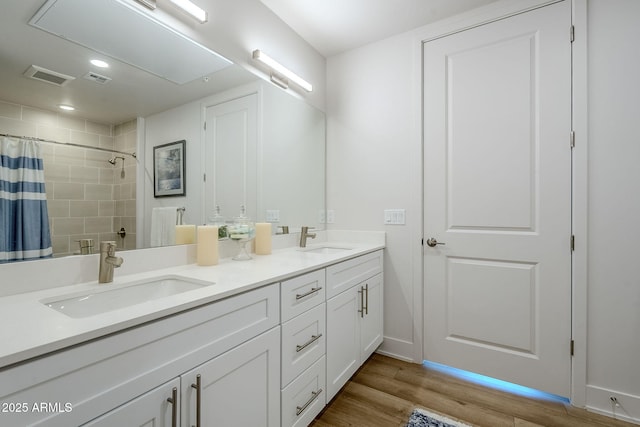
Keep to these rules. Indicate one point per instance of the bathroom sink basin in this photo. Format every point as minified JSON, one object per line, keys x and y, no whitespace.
{"x":99,"y":301}
{"x":325,"y":250}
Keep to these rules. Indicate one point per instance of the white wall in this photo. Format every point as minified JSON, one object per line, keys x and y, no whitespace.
{"x":613,"y":315}
{"x":373,"y":147}
{"x":374,"y":158}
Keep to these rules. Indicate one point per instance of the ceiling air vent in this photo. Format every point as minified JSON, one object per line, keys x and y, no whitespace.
{"x":95,"y":77}
{"x":48,"y":76}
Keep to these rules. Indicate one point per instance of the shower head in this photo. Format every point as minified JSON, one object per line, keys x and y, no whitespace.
{"x":114,"y":159}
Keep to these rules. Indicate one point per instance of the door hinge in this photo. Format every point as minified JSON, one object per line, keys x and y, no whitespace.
{"x":205,"y":125}
{"x":572,"y":346}
{"x":573,"y":243}
{"x":572,"y":139}
{"x":204,"y":178}
{"x":572,"y":33}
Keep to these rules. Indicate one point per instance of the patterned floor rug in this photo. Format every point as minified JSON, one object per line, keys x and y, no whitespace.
{"x":423,"y":418}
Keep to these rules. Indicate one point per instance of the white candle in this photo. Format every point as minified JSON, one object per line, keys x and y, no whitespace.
{"x":207,"y":252}
{"x":263,"y":238}
{"x":185,"y":234}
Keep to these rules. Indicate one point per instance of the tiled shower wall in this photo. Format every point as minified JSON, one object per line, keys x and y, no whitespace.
{"x":87,"y":198}
{"x":124,"y":189}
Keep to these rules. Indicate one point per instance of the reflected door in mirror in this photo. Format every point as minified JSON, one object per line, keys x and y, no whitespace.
{"x":230,"y":157}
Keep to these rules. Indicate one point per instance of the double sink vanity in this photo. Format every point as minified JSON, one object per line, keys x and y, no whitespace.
{"x":265,"y":342}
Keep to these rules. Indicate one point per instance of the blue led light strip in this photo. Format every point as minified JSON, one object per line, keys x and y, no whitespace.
{"x":494,"y":383}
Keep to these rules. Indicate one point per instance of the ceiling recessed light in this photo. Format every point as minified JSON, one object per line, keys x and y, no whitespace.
{"x":66,"y":107}
{"x":99,"y":63}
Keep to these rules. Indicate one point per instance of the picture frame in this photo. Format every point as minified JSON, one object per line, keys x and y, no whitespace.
{"x":169,"y":169}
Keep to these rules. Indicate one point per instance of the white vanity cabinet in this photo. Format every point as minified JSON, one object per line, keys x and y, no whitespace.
{"x":354,"y":316}
{"x":120,"y":373}
{"x":240,"y":386}
{"x":303,"y":348}
{"x":272,"y":356}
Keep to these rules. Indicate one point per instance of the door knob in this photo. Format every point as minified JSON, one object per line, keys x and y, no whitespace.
{"x":433,"y":242}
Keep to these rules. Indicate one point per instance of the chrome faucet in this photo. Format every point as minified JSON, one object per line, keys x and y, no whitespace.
{"x":304,"y":234}
{"x":108,"y":260}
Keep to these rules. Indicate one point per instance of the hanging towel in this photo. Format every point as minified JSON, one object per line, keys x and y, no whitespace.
{"x":163,"y":226}
{"x":24,"y":218}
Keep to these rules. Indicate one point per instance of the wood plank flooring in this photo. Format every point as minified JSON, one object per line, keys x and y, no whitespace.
{"x":385,"y":391}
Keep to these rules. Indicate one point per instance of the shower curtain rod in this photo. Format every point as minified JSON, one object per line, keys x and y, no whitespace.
{"x":31,"y":138}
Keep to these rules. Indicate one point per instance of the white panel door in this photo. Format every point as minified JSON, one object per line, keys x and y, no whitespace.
{"x":497,"y":119}
{"x":230,"y":157}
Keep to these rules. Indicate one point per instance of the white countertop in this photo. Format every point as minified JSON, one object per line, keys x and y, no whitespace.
{"x":31,"y":329}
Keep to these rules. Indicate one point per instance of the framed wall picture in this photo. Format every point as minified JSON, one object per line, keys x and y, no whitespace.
{"x":169,"y":169}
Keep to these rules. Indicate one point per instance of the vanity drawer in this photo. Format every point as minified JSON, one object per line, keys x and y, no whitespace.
{"x":305,"y":397}
{"x":344,"y":275}
{"x":301,"y":293}
{"x":303,"y":342}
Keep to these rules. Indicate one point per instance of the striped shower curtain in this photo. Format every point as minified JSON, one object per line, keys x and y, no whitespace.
{"x":24,"y":220}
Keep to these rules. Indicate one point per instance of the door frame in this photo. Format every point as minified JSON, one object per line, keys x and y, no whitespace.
{"x":480,"y":16}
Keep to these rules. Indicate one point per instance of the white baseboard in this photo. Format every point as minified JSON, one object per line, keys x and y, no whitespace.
{"x":599,"y":400}
{"x":398,"y":349}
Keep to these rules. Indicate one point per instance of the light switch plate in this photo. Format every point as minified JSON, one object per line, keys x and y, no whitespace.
{"x":273,"y":215}
{"x":331,"y":216}
{"x":394,"y":216}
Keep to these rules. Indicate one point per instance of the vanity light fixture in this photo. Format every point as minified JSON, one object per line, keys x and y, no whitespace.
{"x":149,"y":4}
{"x":277,"y":68}
{"x":66,"y":107}
{"x":193,"y":10}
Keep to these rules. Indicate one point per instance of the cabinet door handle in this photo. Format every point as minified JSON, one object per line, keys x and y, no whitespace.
{"x":198,"y":387}
{"x":313,"y":339}
{"x":306,"y":294}
{"x":361,"y":310}
{"x":174,"y":406}
{"x":314,"y":395}
{"x":366,"y":290}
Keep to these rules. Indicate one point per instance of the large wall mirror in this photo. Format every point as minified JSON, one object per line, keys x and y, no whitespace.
{"x":103,"y":192}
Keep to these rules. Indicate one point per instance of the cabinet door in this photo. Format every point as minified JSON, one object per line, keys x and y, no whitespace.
{"x":343,"y":339}
{"x":150,"y":409}
{"x":372,"y":322}
{"x":239,"y":387}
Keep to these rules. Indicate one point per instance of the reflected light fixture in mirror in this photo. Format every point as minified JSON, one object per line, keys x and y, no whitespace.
{"x":192,"y":9}
{"x":278,"y":68}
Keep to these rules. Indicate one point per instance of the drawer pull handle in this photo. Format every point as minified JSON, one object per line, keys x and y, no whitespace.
{"x":314,"y":395}
{"x":361,"y":310}
{"x":198,"y":387}
{"x":174,"y":406}
{"x":313,"y":339}
{"x":306,"y":294}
